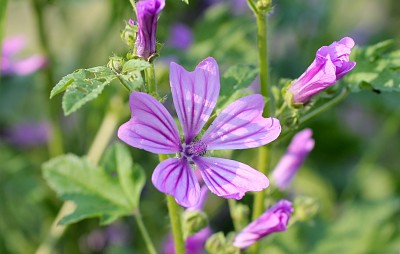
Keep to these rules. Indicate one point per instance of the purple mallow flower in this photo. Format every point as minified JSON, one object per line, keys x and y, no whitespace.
{"x":273,"y":220}
{"x":331,"y":64}
{"x":239,"y":126}
{"x":147,"y":14}
{"x":181,"y":37}
{"x":300,"y":146}
{"x":13,"y":66}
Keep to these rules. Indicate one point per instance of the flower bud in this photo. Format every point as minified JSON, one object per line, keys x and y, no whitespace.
{"x":217,"y":243}
{"x":116,"y":63}
{"x":128,"y":35}
{"x":147,"y":14}
{"x":194,"y":221}
{"x":305,"y":208}
{"x":331,"y":64}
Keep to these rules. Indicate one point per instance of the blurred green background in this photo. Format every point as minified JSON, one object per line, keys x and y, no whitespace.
{"x":353,"y":171}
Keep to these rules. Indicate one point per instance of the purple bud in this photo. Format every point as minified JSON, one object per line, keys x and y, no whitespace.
{"x":300,"y":146}
{"x":331,"y":64}
{"x":147,"y":14}
{"x":194,"y":244}
{"x":181,"y":37}
{"x":273,"y":220}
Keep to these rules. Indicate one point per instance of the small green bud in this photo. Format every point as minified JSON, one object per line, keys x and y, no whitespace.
{"x":305,"y":208}
{"x":116,"y":63}
{"x":264,"y":5}
{"x":216,"y":243}
{"x":128,"y":35}
{"x":194,"y":221}
{"x":240,"y":214}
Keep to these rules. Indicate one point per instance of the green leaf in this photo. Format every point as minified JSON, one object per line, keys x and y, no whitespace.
{"x":234,"y":83}
{"x":95,"y":190}
{"x":185,"y":1}
{"x":136,"y":65}
{"x":82,"y":86}
{"x":378,"y":68}
{"x":131,"y":176}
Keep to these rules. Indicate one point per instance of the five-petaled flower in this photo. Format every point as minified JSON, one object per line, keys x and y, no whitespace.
{"x":300,"y":146}
{"x":147,"y":14}
{"x":273,"y":220}
{"x":331,"y":64}
{"x":238,"y":126}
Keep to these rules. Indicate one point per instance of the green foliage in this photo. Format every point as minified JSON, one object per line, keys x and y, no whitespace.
{"x":95,"y":190}
{"x":378,"y":68}
{"x":82,"y":86}
{"x":234,"y":83}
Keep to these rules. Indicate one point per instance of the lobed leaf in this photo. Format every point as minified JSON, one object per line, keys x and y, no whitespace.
{"x":378,"y":68}
{"x":234,"y":83}
{"x":96,"y":191}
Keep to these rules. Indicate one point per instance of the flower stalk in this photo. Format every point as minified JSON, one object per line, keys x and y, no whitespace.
{"x":263,"y":151}
{"x":175,"y":219}
{"x":143,"y":231}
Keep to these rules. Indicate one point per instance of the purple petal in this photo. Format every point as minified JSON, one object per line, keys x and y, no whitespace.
{"x":176,"y":178}
{"x":228,"y":178}
{"x":194,"y":94}
{"x":319,"y":76}
{"x":12,"y":45}
{"x":300,"y":146}
{"x":273,"y":220}
{"x":29,"y":65}
{"x":151,"y":127}
{"x":241,"y":126}
{"x":147,"y":16}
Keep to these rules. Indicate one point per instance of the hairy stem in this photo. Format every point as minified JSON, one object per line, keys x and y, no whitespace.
{"x":175,"y":220}
{"x":103,"y":136}
{"x":264,"y":151}
{"x":151,"y":81}
{"x":144,"y":232}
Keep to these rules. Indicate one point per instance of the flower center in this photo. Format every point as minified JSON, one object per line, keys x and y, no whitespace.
{"x":195,"y":148}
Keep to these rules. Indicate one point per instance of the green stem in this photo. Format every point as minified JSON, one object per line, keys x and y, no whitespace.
{"x":103,"y":136}
{"x":236,"y":224}
{"x":151,"y":81}
{"x":55,"y":144}
{"x":144,"y":232}
{"x":331,"y":103}
{"x":175,"y":219}
{"x":263,"y":151}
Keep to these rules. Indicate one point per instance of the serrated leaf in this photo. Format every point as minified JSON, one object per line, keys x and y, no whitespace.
{"x":82,"y":86}
{"x":96,"y":191}
{"x":234,"y":82}
{"x":378,"y":68}
{"x":135,"y":65}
